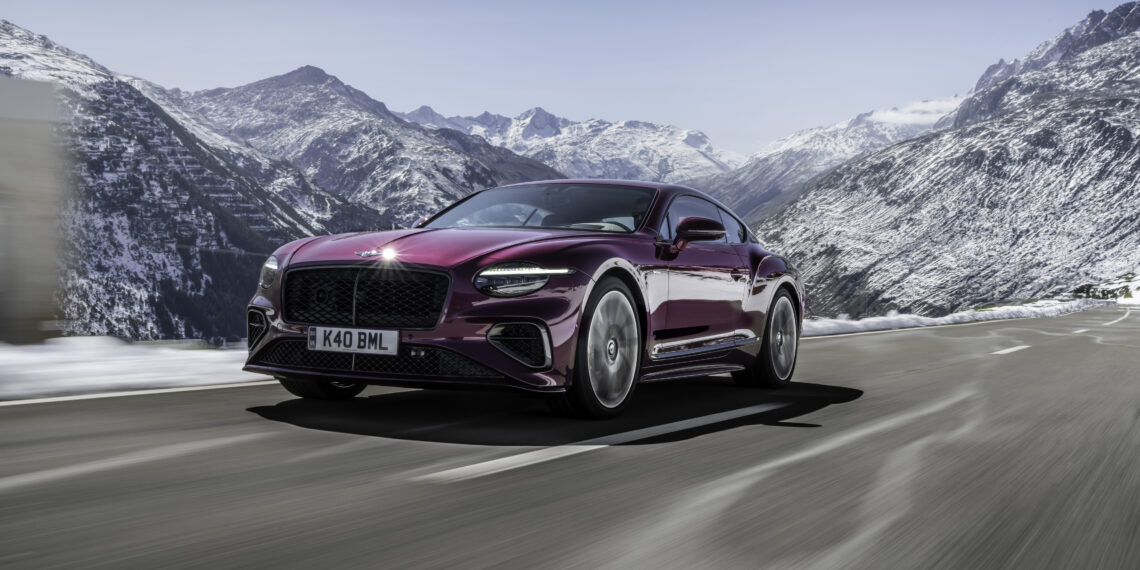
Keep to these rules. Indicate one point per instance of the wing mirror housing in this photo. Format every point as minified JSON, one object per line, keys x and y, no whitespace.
{"x":696,"y":229}
{"x":420,"y":222}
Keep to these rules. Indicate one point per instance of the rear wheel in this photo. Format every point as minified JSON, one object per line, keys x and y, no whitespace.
{"x":776,"y":362}
{"x":609,"y":354}
{"x":322,"y":389}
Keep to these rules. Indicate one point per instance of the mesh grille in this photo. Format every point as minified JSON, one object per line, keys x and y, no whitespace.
{"x":521,"y":341}
{"x":255,"y":327}
{"x":429,"y":361}
{"x":380,"y":298}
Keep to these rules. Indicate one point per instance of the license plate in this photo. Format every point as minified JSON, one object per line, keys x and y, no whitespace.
{"x":360,"y":341}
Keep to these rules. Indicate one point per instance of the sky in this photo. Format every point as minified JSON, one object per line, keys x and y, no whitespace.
{"x":745,"y":73}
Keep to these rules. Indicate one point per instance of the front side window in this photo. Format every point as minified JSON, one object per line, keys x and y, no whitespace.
{"x":589,"y":207}
{"x":733,"y":230}
{"x":689,"y":207}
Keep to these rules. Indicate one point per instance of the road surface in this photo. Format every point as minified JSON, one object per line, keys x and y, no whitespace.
{"x":1000,"y":444}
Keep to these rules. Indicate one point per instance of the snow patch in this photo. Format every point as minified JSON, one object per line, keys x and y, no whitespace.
{"x":74,"y":365}
{"x":894,"y":320}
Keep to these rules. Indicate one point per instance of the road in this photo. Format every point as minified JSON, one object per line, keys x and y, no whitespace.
{"x":1000,"y":444}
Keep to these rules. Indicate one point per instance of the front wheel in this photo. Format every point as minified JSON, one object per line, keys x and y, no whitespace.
{"x":321,"y":389}
{"x":609,"y":353}
{"x":776,"y":362}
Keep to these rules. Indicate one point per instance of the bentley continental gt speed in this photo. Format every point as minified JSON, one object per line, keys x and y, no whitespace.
{"x":577,"y":289}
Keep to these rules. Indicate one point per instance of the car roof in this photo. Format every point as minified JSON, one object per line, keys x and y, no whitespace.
{"x":668,"y":189}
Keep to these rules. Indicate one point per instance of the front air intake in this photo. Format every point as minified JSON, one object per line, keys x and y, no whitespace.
{"x":255,"y":327}
{"x":528,"y":343}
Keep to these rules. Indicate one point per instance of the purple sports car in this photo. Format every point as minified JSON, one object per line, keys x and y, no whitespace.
{"x":574,"y":288}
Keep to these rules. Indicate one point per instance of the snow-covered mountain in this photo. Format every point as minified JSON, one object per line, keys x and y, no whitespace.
{"x":631,"y":150}
{"x":353,"y":146}
{"x":1034,"y":196}
{"x":776,"y":173}
{"x":168,"y":219}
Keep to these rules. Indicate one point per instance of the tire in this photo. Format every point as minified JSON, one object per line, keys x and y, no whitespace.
{"x":608,"y":359}
{"x":322,"y":389}
{"x":774,"y":366}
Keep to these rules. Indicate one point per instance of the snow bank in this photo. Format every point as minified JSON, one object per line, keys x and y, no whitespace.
{"x":893,"y":320}
{"x":73,"y":365}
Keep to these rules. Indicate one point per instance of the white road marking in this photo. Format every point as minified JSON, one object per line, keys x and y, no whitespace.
{"x":703,"y":507}
{"x":1011,"y":349}
{"x":1079,"y":331}
{"x":133,"y":393}
{"x":118,"y":462}
{"x":551,"y":453}
{"x":1126,"y":313}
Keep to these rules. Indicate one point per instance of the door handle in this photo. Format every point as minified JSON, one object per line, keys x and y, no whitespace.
{"x":739,"y":273}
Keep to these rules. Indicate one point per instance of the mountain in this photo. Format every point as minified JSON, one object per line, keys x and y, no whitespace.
{"x":1034,"y":193}
{"x":631,"y":150}
{"x":778,"y":171}
{"x":169,"y":220}
{"x":354,"y":147}
{"x":1097,"y":29}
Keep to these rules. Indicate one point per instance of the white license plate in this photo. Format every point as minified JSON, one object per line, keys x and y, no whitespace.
{"x":360,"y":341}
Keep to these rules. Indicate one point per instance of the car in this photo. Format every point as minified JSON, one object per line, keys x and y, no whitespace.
{"x":578,"y":290}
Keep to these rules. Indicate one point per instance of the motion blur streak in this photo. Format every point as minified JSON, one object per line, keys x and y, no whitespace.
{"x":31,"y":188}
{"x":704,"y":505}
{"x":125,"y":460}
{"x":552,"y":453}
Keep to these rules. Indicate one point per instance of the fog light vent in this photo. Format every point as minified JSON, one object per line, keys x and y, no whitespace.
{"x":255,"y":327}
{"x":527,"y":343}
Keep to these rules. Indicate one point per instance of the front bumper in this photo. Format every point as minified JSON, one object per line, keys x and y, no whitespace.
{"x":456,"y":353}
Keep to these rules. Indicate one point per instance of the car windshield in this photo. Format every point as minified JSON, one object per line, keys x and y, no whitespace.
{"x":591,"y":207}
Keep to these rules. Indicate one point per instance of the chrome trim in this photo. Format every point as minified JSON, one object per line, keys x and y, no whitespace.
{"x":692,"y":346}
{"x":548,"y":358}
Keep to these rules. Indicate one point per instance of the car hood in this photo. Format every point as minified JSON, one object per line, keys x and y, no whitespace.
{"x":442,"y":247}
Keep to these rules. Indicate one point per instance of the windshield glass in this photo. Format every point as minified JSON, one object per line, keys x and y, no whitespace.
{"x":592,"y":207}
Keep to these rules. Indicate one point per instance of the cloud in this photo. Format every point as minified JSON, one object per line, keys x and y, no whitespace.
{"x":920,"y":113}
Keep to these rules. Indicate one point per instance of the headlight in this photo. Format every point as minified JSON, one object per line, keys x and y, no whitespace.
{"x":514,"y":279}
{"x":269,"y":272}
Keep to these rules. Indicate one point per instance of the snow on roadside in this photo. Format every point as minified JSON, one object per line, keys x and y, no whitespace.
{"x":88,"y":364}
{"x":893,"y":320}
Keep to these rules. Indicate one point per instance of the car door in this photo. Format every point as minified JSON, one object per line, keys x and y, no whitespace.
{"x":707,"y":284}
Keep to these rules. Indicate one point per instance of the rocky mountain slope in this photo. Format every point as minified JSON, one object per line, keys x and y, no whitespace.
{"x":595,"y":148}
{"x":776,"y":173}
{"x":169,"y":220}
{"x":1035,"y":192}
{"x":353,"y":146}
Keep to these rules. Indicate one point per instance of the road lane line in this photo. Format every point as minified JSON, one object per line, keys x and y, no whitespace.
{"x":102,"y":395}
{"x":118,"y":462}
{"x":1110,"y":323}
{"x":1079,"y":331}
{"x":551,"y":453}
{"x":1011,"y":349}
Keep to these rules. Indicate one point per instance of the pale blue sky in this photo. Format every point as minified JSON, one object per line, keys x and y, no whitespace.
{"x":743,"y":72}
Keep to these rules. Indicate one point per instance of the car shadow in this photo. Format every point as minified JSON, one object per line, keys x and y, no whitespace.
{"x":509,"y":419}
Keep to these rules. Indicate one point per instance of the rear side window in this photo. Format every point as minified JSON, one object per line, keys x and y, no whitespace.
{"x":688,"y":207}
{"x":733,"y":230}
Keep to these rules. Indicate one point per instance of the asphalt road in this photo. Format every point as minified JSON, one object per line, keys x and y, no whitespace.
{"x":926,"y":448}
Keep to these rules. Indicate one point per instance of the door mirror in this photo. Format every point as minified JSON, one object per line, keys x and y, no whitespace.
{"x":697,"y":229}
{"x":420,"y":222}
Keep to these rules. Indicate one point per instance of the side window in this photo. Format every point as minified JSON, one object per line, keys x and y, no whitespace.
{"x":691,"y":206}
{"x":733,"y":230}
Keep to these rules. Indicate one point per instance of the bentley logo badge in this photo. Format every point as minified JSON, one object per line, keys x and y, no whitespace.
{"x":387,"y":253}
{"x":369,"y":253}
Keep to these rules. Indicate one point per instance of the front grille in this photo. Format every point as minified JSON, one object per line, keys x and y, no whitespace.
{"x":525,"y":342}
{"x":412,"y":360}
{"x":255,"y":327}
{"x":396,"y":298}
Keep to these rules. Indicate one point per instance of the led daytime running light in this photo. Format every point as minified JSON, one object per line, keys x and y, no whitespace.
{"x":506,"y":271}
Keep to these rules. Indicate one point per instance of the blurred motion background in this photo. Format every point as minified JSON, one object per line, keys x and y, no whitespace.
{"x":33,"y":182}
